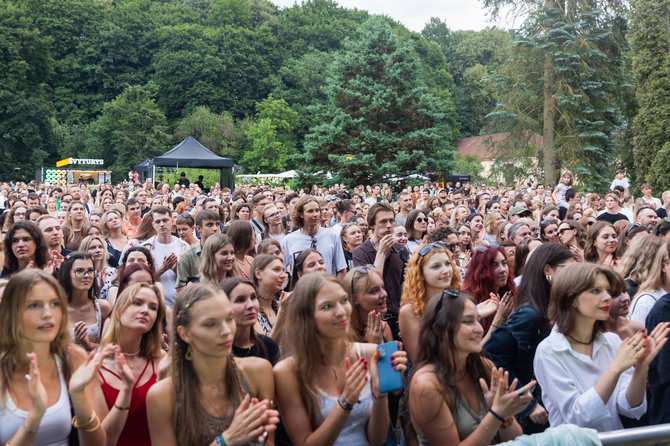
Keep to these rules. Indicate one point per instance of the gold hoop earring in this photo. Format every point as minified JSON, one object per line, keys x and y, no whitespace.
{"x":189,"y":355}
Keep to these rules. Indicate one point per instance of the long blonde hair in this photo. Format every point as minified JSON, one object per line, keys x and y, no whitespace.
{"x":12,"y":307}
{"x":656,"y":275}
{"x":303,"y":331}
{"x":355,"y":282}
{"x":86,"y":244}
{"x":150,"y":346}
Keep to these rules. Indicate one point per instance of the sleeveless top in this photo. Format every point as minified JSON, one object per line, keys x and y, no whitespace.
{"x":93,"y":331}
{"x":55,"y":425}
{"x":216,"y":425}
{"x":136,"y":429}
{"x":354,"y":431}
{"x":465,"y":417}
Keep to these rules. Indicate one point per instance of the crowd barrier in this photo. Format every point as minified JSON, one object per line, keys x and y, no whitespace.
{"x":658,"y":435}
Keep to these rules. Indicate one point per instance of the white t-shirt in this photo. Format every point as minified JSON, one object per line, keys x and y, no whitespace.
{"x":327,"y":243}
{"x":620,"y":182}
{"x":169,"y":278}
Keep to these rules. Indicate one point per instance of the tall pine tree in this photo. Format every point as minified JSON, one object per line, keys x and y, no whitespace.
{"x":378,"y":122}
{"x":650,"y":44}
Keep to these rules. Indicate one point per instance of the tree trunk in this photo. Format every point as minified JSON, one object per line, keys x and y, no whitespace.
{"x":549,"y":116}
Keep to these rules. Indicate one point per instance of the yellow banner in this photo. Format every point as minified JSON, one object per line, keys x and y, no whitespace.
{"x":64,"y":162}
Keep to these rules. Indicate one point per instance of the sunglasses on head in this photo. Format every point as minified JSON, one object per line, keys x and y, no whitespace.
{"x":428,"y":248}
{"x":491,"y":245}
{"x":451,"y":294}
{"x":365,"y":268}
{"x":547,"y":221}
{"x":631,"y":227}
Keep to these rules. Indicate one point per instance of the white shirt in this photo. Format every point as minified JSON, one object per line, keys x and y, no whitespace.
{"x":654,"y":200}
{"x":567,"y":378}
{"x":161,"y":250}
{"x":327,"y":243}
{"x":642,"y":304}
{"x":620,"y":182}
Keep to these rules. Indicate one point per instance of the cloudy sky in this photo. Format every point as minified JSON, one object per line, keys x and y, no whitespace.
{"x":459,"y":14}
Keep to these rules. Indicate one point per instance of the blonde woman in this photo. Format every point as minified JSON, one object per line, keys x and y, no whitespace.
{"x":134,"y":328}
{"x":104,"y":274}
{"x":654,"y":286}
{"x":217,"y":260}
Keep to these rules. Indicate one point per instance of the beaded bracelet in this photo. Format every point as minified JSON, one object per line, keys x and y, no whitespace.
{"x":28,"y":431}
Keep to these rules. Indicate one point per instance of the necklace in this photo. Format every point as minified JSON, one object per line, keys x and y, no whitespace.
{"x":339,"y":357}
{"x":580,"y":342}
{"x":132,"y":354}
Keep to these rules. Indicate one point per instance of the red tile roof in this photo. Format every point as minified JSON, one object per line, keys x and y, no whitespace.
{"x":479,"y":145}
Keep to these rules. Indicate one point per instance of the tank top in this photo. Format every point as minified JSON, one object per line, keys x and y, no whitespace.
{"x":354,"y":431}
{"x":55,"y":425}
{"x":136,"y":429}
{"x":93,"y":331}
{"x":217,"y":425}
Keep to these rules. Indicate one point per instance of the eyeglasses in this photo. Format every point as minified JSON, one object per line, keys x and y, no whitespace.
{"x":630,"y":228}
{"x":273,"y":215}
{"x":428,"y":248}
{"x":421,"y":220}
{"x":451,"y":294}
{"x":80,"y":272}
{"x":313,"y":243}
{"x":491,"y":245}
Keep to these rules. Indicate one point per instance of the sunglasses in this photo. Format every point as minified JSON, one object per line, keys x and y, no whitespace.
{"x":562,"y":230}
{"x":491,"y":245}
{"x":421,"y":220}
{"x":631,"y":227}
{"x":451,"y":295}
{"x":433,"y":246}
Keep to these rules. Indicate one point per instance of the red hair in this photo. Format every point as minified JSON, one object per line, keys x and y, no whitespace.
{"x":479,"y":280}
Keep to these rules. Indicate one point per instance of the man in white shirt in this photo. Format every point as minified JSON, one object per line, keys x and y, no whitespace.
{"x":306,"y":216}
{"x":406,"y":206}
{"x":166,"y":250}
{"x":620,"y":181}
{"x":655,"y":203}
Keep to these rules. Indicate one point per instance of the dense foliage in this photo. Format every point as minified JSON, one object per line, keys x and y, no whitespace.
{"x":292,"y":88}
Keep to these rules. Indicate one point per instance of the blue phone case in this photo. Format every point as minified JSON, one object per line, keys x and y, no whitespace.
{"x":389,"y":379}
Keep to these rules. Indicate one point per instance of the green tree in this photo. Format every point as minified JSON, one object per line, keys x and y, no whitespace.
{"x":217,"y":132}
{"x":563,"y":81}
{"x":379,"y":121}
{"x":26,"y":136}
{"x":131,"y":128}
{"x":650,"y":44}
{"x":271,"y":137}
{"x":469,"y":165}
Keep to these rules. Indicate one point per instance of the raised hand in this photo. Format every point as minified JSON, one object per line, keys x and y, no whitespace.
{"x":127,"y":375}
{"x":374,"y":331}
{"x":87,"y":372}
{"x":489,"y":306}
{"x":630,"y":351}
{"x":80,"y":334}
{"x":653,"y":343}
{"x":37,"y":391}
{"x":251,"y":421}
{"x":489,"y":393}
{"x":508,"y":400}
{"x":355,"y":379}
{"x":504,"y":309}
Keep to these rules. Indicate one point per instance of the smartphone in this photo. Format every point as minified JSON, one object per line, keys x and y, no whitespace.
{"x":389,"y":379}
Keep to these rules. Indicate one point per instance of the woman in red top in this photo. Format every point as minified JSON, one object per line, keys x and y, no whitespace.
{"x":125,"y":379}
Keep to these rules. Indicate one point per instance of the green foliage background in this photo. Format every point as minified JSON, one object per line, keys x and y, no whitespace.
{"x":125,"y":80}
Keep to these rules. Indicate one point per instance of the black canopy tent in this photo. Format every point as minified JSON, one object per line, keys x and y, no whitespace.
{"x":190,"y":153}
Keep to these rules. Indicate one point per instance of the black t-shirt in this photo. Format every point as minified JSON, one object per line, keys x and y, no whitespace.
{"x":661,"y":212}
{"x":271,"y":352}
{"x":611,"y":218}
{"x":184,"y":182}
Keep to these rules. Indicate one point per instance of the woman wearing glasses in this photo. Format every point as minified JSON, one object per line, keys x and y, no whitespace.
{"x":416,"y":226}
{"x":572,"y":235}
{"x":272,"y":223}
{"x":429,"y":271}
{"x":455,"y":394}
{"x":86,"y":313}
{"x":104,"y":274}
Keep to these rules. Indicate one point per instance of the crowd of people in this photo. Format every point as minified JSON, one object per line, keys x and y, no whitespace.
{"x":142,"y":314}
